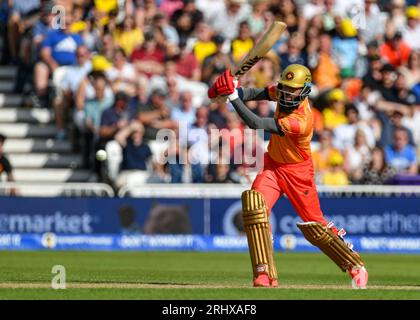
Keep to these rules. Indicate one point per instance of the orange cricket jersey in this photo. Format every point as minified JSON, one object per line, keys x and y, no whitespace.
{"x":295,"y":145}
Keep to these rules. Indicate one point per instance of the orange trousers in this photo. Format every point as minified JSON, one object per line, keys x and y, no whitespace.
{"x":296,"y":180}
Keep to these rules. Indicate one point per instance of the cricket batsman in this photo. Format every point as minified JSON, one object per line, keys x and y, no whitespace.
{"x":288,"y":169}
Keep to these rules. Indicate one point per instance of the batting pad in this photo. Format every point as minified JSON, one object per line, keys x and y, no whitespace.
{"x":332,"y":245}
{"x":257,"y":228}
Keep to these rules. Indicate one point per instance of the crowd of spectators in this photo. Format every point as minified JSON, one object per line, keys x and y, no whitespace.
{"x":116,"y":72}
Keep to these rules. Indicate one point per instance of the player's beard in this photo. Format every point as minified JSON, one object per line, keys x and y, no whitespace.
{"x":288,"y":105}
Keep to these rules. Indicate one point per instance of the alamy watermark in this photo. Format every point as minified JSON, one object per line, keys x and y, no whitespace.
{"x":59,"y":279}
{"x":214,"y":146}
{"x":358,"y":16}
{"x":59,"y":20}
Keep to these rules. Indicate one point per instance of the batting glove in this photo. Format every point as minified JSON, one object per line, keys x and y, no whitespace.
{"x":223,"y":86}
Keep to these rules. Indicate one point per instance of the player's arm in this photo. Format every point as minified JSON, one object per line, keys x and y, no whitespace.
{"x":253,"y":94}
{"x":226,"y":85}
{"x":251,"y":119}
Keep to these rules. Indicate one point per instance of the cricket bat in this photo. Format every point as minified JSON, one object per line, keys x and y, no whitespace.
{"x":258,"y":51}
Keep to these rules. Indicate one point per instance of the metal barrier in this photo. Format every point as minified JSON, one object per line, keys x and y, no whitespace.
{"x":197,"y":191}
{"x":68,"y":189}
{"x":235,"y":190}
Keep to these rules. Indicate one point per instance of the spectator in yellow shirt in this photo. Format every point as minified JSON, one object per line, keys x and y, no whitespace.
{"x":243,"y":43}
{"x":334,"y":114}
{"x":204,"y":46}
{"x":335,"y":175}
{"x":325,"y":152}
{"x":128,"y":36}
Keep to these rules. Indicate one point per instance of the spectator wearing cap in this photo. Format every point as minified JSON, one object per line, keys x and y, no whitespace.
{"x":334,"y":113}
{"x":335,"y":174}
{"x":385,"y":98}
{"x":411,"y":33}
{"x":216,"y":63}
{"x":149,"y":58}
{"x":345,"y":47}
{"x":395,"y":50}
{"x":155,"y":115}
{"x":392,"y":93}
{"x":117,"y":117}
{"x":186,"y":19}
{"x":401,"y":155}
{"x":113,"y":119}
{"x":374,"y":64}
{"x":322,"y":154}
{"x":5,"y":166}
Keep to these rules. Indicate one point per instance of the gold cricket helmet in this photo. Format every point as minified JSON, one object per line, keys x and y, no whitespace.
{"x":294,"y":76}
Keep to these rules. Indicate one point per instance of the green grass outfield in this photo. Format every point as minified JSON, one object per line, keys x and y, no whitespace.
{"x":196,"y":275}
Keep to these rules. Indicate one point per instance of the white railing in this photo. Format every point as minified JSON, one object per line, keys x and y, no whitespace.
{"x":196,"y":191}
{"x":67,"y":189}
{"x":235,"y":190}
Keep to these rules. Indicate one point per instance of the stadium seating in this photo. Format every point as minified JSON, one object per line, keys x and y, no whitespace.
{"x":30,"y":144}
